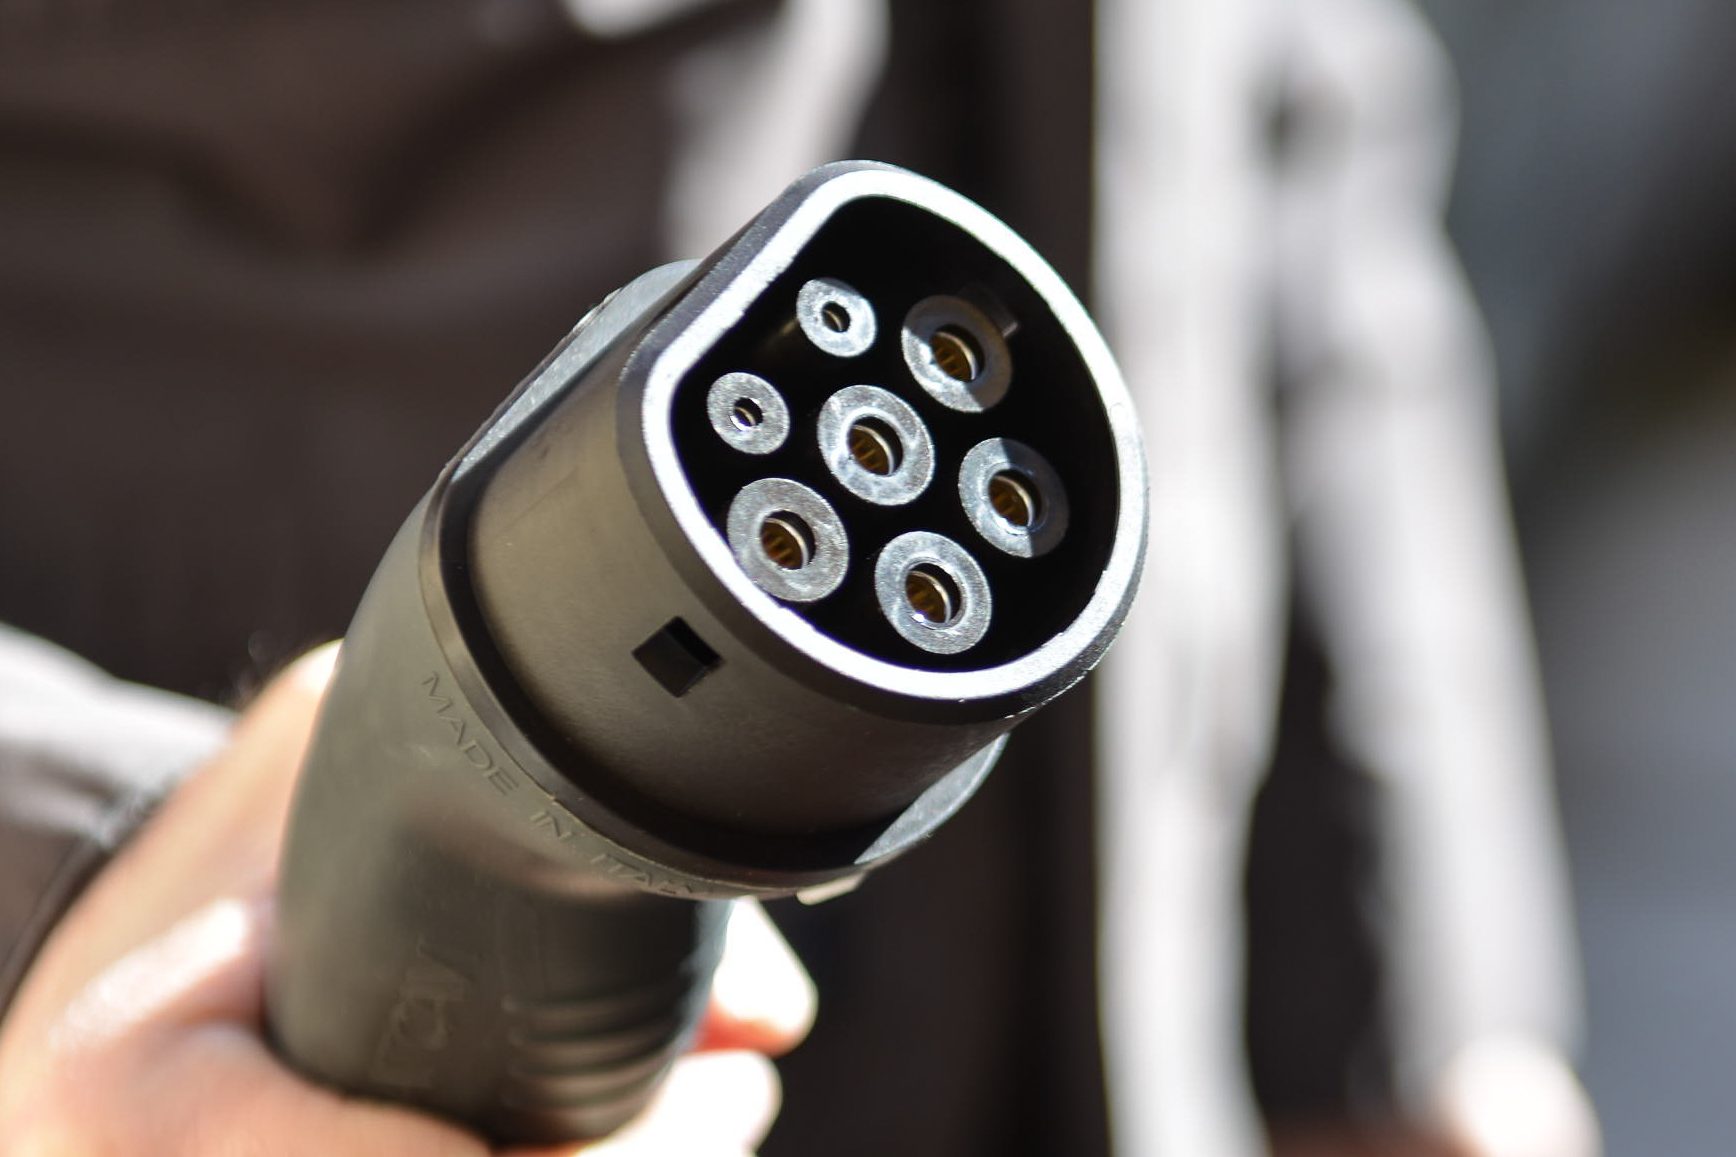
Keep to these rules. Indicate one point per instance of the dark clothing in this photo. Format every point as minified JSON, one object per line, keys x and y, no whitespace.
{"x":82,"y":761}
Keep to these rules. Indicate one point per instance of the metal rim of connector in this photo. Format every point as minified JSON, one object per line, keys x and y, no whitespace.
{"x":788,"y":539}
{"x":704,"y":316}
{"x":836,"y":317}
{"x":876,"y":445}
{"x":1013,"y":497}
{"x":956,"y":353}
{"x":933,"y":592}
{"x":748,"y":413}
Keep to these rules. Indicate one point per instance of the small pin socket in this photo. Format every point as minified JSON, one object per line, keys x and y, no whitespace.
{"x":748,"y":413}
{"x":835,"y":317}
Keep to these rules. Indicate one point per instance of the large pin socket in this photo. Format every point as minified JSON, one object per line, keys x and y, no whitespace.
{"x":876,"y":445}
{"x":957,"y":353}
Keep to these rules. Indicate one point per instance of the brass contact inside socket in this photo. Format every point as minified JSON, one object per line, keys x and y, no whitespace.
{"x":931,"y":593}
{"x":786,"y":540}
{"x":956,"y":353}
{"x":746,"y":414}
{"x":1014,"y":499}
{"x":874,"y":446}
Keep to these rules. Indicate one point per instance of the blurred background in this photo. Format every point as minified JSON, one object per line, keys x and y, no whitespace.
{"x":1593,"y":208}
{"x":262,"y":267}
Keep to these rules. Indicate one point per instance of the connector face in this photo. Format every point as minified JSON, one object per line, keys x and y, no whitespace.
{"x":900,"y":441}
{"x":875,"y":458}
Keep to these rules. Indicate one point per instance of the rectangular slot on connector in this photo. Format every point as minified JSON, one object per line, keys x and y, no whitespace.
{"x":677,"y":657}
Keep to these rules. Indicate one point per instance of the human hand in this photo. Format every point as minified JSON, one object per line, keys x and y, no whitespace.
{"x":138,"y":1032}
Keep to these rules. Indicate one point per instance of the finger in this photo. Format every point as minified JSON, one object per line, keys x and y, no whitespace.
{"x":254,"y":778}
{"x":717,"y":1105}
{"x":223,"y":829}
{"x":762,"y":998}
{"x":289,"y":702}
{"x":202,"y":968}
{"x":216,"y":837}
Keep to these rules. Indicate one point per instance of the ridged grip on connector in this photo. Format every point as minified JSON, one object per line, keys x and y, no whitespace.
{"x":444,"y":937}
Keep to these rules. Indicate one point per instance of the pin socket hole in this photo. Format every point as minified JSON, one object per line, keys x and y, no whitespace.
{"x":786,"y":540}
{"x":956,"y":353}
{"x":1014,"y":498}
{"x":932,"y":594}
{"x":746,"y":414}
{"x":875,"y":446}
{"x":835,"y":317}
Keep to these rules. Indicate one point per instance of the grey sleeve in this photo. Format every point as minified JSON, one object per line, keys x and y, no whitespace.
{"x":1405,"y":551}
{"x":84,"y":758}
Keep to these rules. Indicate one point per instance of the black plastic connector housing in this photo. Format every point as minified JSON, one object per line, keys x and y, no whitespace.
{"x":738,"y":594}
